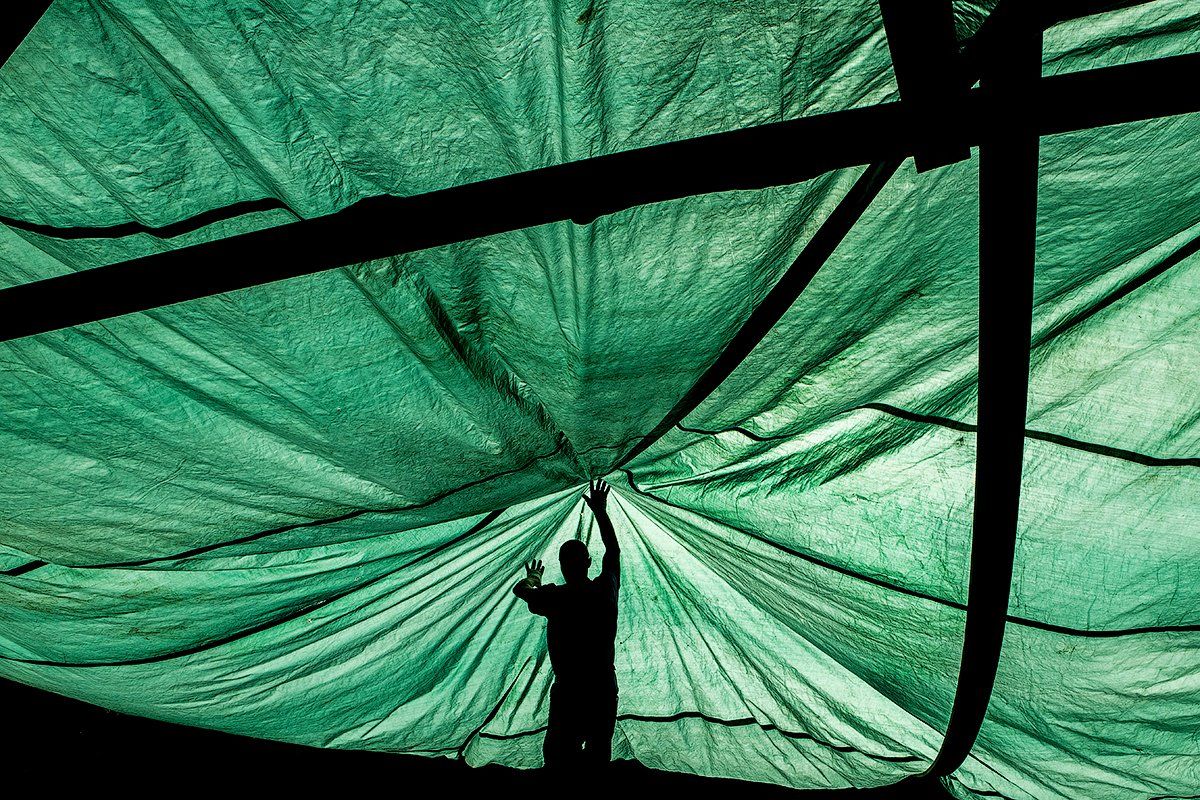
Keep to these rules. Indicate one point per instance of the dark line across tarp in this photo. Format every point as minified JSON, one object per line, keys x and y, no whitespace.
{"x":462,"y":748}
{"x":208,"y":548}
{"x":966,"y":427}
{"x":320,"y":522}
{"x":21,"y":569}
{"x":1053,"y":438}
{"x":911,"y":416}
{"x":728,"y":723}
{"x":32,"y":565}
{"x":495,"y":514}
{"x":167,"y":231}
{"x":288,"y":617}
{"x":1185,"y":252}
{"x":891,"y":410}
{"x":889,"y":585}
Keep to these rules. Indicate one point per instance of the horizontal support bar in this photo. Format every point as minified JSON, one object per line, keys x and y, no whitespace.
{"x":753,"y":158}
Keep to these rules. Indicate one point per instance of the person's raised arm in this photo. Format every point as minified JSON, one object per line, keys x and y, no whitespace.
{"x":597,"y":500}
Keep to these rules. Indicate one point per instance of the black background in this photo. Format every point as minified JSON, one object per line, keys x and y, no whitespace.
{"x":60,"y":743}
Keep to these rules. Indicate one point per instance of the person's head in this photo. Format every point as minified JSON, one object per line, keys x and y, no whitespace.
{"x":574,"y":559}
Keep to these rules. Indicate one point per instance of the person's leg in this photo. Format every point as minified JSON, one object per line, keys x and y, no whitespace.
{"x":602,"y":720}
{"x":554,"y":746}
{"x":561,"y":746}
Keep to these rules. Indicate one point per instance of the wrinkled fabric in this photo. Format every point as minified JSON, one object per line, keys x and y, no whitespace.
{"x":296,"y":511}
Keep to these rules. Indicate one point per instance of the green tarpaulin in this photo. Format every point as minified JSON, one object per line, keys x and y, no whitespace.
{"x":296,"y":511}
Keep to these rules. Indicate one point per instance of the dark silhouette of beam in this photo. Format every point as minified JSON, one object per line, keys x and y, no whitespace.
{"x":753,"y":158}
{"x":987,"y":46}
{"x":928,"y":68}
{"x":19,"y":19}
{"x":1008,"y":176}
{"x":960,"y":76}
{"x":781,"y":297}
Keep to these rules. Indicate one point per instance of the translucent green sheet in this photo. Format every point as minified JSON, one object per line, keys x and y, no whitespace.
{"x":296,"y":511}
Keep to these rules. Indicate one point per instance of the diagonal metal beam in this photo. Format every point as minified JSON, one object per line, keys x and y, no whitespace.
{"x":753,"y":158}
{"x":928,"y":70}
{"x":18,"y":20}
{"x":988,"y":44}
{"x":781,"y":297}
{"x":961,"y":73}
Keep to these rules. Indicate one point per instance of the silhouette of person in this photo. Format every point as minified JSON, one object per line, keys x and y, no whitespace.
{"x":581,"y":628}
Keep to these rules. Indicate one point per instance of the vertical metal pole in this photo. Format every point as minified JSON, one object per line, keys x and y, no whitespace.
{"x":1008,"y":165}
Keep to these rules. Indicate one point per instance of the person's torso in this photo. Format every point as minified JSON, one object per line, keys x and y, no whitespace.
{"x":582,"y":629}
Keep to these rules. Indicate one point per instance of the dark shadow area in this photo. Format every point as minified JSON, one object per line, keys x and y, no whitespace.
{"x":51,"y":737}
{"x":19,"y":19}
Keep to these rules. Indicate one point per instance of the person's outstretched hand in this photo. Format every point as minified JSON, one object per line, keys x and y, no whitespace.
{"x":597,"y":497}
{"x":533,"y":573}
